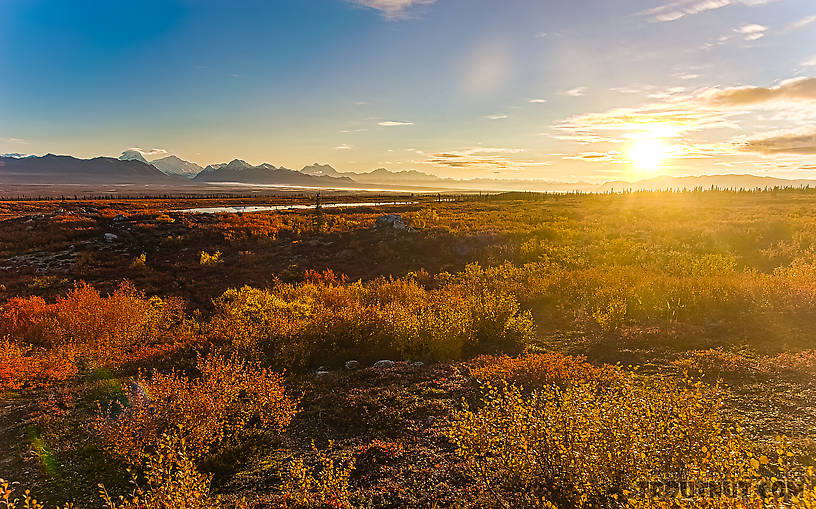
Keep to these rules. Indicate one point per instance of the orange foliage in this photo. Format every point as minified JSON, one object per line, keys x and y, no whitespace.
{"x":20,"y":368}
{"x":537,"y":370}
{"x":230,"y":397}
{"x":112,"y":330}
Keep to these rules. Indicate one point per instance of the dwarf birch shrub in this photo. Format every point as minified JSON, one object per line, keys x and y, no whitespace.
{"x":588,"y":444}
{"x":231,"y":398}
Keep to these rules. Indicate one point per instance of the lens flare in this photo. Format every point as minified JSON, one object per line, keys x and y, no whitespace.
{"x":648,"y":154}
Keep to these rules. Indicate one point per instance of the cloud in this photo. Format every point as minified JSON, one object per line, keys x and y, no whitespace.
{"x":497,"y":117}
{"x":149,"y":152}
{"x":350,"y":131}
{"x":802,"y":23}
{"x":681,"y":8}
{"x":488,"y":158}
{"x":538,"y":101}
{"x":810,"y":62}
{"x":796,"y":90}
{"x":392,"y":9}
{"x":612,"y":156}
{"x":576,"y":92}
{"x":13,"y":140}
{"x":782,"y":142}
{"x":752,"y":32}
{"x":675,"y":116}
{"x":343,"y":147}
{"x":393,"y":123}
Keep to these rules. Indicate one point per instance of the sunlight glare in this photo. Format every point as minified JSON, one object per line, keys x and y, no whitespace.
{"x":648,"y":154}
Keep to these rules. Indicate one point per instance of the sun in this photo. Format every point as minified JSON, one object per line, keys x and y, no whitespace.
{"x":648,"y":154}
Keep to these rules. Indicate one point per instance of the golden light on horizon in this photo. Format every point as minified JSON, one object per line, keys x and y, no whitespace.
{"x":648,"y":154}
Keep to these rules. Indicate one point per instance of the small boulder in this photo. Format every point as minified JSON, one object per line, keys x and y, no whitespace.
{"x":385,"y":363}
{"x":352,"y":365}
{"x":392,"y":222}
{"x":418,"y":364}
{"x":110,"y":237}
{"x":323,"y":376}
{"x":119,"y":217}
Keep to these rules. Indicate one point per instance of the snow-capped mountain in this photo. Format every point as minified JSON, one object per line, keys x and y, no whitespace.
{"x":172,"y":165}
{"x":320,"y":170}
{"x":133,"y":155}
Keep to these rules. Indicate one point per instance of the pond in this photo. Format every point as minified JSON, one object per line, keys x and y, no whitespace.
{"x":240,"y":209}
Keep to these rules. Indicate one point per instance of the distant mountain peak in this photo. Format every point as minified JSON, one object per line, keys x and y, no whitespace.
{"x":173,"y":165}
{"x":133,"y":155}
{"x":320,"y":170}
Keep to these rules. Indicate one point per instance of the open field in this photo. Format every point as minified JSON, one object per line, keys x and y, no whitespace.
{"x":548,"y":349}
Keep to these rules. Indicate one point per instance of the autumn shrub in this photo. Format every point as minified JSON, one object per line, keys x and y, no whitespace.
{"x":23,"y":367}
{"x":588,"y":444}
{"x":231,"y":399}
{"x":718,"y":362}
{"x":538,"y":370}
{"x":325,"y":483}
{"x":123,"y":326}
{"x":329,"y":319}
{"x":171,"y":480}
{"x":210,"y":260}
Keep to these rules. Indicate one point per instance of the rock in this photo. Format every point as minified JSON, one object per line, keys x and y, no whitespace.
{"x":391,"y":221}
{"x":119,"y":217}
{"x":110,"y":237}
{"x":418,"y":364}
{"x":323,"y":376}
{"x":352,"y":364}
{"x":385,"y":363}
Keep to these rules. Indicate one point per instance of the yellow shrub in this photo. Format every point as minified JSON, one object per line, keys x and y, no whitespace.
{"x":210,"y":260}
{"x":325,"y":485}
{"x":587,"y":443}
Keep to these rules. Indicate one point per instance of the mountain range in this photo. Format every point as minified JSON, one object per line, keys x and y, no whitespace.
{"x":132,"y":168}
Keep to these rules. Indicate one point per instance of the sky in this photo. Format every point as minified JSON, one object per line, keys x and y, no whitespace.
{"x":577,"y":91}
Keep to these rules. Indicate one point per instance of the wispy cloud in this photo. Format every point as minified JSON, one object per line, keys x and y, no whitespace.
{"x":577,"y":92}
{"x":673,"y":118}
{"x":810,"y":62}
{"x":12,"y":140}
{"x":392,"y":9}
{"x":149,"y":152}
{"x":484,"y":158}
{"x":343,"y":147}
{"x":350,"y":131}
{"x":802,"y":23}
{"x":681,"y":8}
{"x":752,"y":32}
{"x":797,"y":90}
{"x":394,"y":123}
{"x":538,"y":101}
{"x":497,"y":117}
{"x":800,"y":141}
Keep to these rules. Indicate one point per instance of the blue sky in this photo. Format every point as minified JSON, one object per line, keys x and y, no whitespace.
{"x":586,"y":90}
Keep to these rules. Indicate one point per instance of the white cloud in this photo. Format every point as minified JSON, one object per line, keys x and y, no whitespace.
{"x":752,"y":32}
{"x":343,"y":147}
{"x":149,"y":152}
{"x":393,"y":123}
{"x":802,"y":23}
{"x":577,"y":92}
{"x":681,"y":8}
{"x":810,"y":62}
{"x":392,"y":9}
{"x":13,"y":140}
{"x":538,"y":101}
{"x":350,"y":131}
{"x":497,"y":117}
